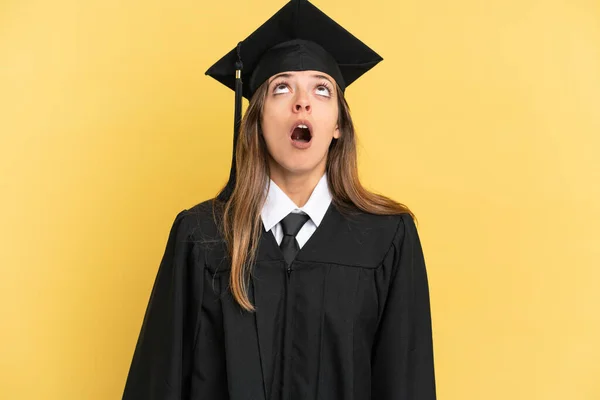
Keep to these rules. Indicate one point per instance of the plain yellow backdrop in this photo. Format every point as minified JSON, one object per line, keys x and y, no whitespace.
{"x":484,"y":118}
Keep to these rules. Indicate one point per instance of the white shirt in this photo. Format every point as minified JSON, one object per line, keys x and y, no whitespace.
{"x":278,"y":205}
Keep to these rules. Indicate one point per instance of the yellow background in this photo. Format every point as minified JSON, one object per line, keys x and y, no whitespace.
{"x":484,"y":118}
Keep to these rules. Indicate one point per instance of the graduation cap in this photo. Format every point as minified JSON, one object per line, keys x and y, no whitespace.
{"x":299,"y":37}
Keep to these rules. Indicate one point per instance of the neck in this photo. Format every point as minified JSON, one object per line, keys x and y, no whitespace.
{"x":298,"y":187}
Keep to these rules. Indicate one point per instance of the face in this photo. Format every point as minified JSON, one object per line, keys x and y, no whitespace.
{"x":299,"y":121}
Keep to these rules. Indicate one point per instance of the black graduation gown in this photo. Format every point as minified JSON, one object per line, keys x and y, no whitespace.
{"x":350,"y":320}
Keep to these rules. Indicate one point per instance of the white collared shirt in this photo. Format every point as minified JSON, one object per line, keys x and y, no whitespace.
{"x":278,"y":205}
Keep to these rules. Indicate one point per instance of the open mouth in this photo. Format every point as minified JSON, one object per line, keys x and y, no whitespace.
{"x":301,"y":133}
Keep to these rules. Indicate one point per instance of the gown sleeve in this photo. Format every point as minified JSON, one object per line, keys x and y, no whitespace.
{"x":162,"y":362}
{"x":402,"y":354}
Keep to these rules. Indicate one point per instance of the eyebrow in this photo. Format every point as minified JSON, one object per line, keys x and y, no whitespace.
{"x":286,"y":75}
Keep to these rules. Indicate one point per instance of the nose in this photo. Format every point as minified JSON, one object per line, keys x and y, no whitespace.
{"x":302,"y":102}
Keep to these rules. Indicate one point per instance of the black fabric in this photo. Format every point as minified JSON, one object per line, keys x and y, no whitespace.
{"x":291,"y":225}
{"x":351,"y":321}
{"x":298,"y":19}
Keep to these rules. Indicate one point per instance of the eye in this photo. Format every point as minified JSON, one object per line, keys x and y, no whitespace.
{"x":324,"y":90}
{"x":281,"y":87}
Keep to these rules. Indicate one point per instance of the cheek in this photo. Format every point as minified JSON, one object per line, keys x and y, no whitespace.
{"x":328,"y":118}
{"x":273,"y":128}
{"x":269,"y":120}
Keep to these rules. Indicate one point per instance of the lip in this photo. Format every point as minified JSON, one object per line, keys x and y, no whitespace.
{"x":301,"y":145}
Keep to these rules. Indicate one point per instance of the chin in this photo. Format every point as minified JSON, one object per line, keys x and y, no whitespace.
{"x":296,"y":164}
{"x":298,"y":168}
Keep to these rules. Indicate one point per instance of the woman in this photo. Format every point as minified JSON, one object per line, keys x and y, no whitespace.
{"x":295,"y":282}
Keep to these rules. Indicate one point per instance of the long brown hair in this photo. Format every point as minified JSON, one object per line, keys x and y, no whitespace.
{"x":240,"y":221}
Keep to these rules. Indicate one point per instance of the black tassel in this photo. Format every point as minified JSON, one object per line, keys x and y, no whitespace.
{"x":237,"y":121}
{"x":238,"y":95}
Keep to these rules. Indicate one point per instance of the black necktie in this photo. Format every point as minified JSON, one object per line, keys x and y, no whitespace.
{"x":291,"y":226}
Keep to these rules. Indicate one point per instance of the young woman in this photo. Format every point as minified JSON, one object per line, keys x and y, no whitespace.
{"x":295,"y":282}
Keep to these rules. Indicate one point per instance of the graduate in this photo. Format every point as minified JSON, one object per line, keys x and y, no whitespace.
{"x":294,"y":282}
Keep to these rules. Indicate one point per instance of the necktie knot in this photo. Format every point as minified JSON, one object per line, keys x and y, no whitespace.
{"x":292,"y":223}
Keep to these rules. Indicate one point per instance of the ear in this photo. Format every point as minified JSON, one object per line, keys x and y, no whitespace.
{"x":336,"y":133}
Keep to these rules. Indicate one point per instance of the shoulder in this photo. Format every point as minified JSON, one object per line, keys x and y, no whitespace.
{"x":368,"y":239}
{"x":198,"y":222}
{"x":383,"y":227}
{"x":406,"y":241}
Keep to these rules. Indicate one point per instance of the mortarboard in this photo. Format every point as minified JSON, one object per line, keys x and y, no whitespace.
{"x":299,"y":37}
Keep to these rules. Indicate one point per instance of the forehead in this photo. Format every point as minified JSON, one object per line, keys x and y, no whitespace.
{"x":302,"y":75}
